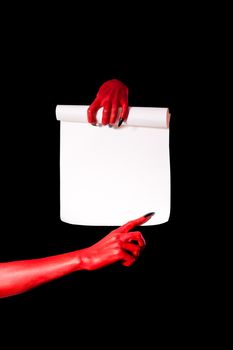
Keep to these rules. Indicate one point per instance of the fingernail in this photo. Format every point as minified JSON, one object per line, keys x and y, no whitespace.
{"x":110,"y":125}
{"x":149,"y":214}
{"x":120,"y":122}
{"x":93,"y":124}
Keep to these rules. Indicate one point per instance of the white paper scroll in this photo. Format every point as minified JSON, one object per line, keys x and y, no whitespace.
{"x":109,"y":176}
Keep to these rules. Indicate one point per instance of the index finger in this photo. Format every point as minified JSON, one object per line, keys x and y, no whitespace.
{"x":131,"y":224}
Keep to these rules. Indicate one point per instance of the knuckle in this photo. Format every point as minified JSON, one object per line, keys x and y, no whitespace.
{"x":117,"y":251}
{"x":115,"y":109}
{"x":114,"y":238}
{"x":118,"y":244}
{"x":138,"y":234}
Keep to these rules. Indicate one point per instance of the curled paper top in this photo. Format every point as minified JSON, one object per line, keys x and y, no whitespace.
{"x":151,"y":117}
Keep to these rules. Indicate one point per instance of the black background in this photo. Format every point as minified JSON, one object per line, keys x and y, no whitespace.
{"x":43,"y":70}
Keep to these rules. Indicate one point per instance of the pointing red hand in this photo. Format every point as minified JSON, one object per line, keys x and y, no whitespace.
{"x":119,"y":245}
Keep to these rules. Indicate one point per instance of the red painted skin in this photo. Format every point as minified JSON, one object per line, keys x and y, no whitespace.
{"x":112,"y":95}
{"x":119,"y":245}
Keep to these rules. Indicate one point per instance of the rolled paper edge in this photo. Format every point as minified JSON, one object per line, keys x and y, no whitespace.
{"x":168,"y":118}
{"x":59,"y":112}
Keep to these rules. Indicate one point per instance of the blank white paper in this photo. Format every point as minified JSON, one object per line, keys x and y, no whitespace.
{"x":109,"y":176}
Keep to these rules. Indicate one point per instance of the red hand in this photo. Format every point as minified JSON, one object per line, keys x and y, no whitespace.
{"x":112,"y":95}
{"x":119,"y":245}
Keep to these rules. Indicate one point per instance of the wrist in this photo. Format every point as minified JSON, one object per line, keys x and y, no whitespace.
{"x":82,"y":259}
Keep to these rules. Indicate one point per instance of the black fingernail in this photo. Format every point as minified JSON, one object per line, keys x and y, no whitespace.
{"x":149,"y":214}
{"x":120,"y":122}
{"x":93,"y":124}
{"x":110,"y":125}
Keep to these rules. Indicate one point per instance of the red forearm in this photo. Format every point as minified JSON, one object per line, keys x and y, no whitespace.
{"x":119,"y":245}
{"x":19,"y":276}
